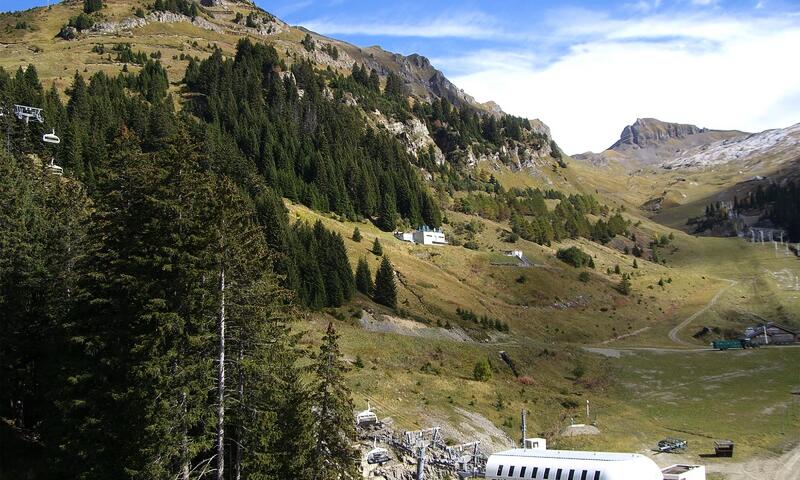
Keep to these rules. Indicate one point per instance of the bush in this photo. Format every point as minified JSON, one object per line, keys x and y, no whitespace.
{"x":575,"y":256}
{"x":81,"y":22}
{"x":584,"y":277}
{"x":359,"y":363}
{"x":482,"y":371}
{"x":471,"y":244}
{"x":91,"y":6}
{"x":624,"y":286}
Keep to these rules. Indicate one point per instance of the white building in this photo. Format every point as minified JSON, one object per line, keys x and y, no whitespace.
{"x":404,"y":236}
{"x":542,"y":464}
{"x":424,"y":235}
{"x":685,"y":472}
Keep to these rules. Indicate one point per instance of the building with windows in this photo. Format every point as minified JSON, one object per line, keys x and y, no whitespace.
{"x":424,"y":235}
{"x":543,"y":464}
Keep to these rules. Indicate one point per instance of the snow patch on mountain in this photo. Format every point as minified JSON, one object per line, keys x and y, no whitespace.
{"x":784,"y":142}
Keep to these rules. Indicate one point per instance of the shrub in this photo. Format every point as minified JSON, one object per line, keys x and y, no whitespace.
{"x":584,"y":277}
{"x":471,"y":244}
{"x":91,"y":6}
{"x":81,"y":22}
{"x":482,"y":371}
{"x":356,"y":235}
{"x":575,"y":256}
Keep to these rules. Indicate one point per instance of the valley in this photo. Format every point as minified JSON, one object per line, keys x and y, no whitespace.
{"x":228,"y":142}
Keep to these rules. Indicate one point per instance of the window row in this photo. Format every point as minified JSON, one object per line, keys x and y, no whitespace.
{"x":559,"y":473}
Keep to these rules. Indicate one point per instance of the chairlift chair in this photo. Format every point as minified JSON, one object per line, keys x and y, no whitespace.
{"x":377,"y":454}
{"x":54,"y":169}
{"x":51,"y":138}
{"x":366,"y":418}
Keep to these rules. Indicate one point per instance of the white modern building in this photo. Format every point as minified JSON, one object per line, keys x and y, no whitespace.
{"x":685,"y":472}
{"x":404,"y":236}
{"x":542,"y":464}
{"x":424,"y":235}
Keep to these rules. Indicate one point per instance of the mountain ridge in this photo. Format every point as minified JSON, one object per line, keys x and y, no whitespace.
{"x":648,"y":142}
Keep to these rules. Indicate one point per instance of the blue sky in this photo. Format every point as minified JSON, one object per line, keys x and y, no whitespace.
{"x":588,"y":68}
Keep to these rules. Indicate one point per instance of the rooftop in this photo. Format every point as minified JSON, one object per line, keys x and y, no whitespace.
{"x":569,"y":454}
{"x":679,"y":469}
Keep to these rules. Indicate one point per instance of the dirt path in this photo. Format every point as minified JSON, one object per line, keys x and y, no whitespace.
{"x":673,"y":334}
{"x":783,"y":467}
{"x":790,"y":465}
{"x":778,"y":467}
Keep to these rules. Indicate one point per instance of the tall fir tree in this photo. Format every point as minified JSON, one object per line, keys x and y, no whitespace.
{"x":364,"y":277}
{"x":333,"y":410}
{"x":385,"y":287}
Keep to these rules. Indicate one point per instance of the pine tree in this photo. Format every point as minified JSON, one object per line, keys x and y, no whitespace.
{"x":356,"y":235}
{"x":635,"y":264}
{"x":333,"y":410}
{"x":387,"y":216}
{"x":44,"y":224}
{"x":617,"y":269}
{"x":364,"y":277}
{"x":624,"y":286}
{"x":377,"y":249}
{"x":385,"y":288}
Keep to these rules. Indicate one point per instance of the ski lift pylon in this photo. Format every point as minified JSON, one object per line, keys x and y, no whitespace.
{"x":24,"y":112}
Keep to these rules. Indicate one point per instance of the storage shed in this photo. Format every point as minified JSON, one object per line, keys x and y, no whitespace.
{"x":723,"y":448}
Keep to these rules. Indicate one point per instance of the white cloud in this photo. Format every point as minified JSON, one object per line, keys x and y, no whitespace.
{"x":723,"y":73}
{"x":463,"y":25}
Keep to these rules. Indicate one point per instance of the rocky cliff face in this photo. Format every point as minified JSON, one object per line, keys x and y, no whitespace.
{"x":646,"y":132}
{"x":422,"y":77}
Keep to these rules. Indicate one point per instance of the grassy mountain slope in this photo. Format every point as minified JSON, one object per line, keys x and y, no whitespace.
{"x":418,"y":361}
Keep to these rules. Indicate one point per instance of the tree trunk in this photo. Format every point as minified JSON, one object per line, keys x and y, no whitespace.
{"x":221,"y":383}
{"x":239,"y":439}
{"x":185,"y":468}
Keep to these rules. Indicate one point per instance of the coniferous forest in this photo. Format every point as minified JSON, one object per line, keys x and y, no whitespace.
{"x":150,"y":293}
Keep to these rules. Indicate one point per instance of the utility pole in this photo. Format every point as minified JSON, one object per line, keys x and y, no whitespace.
{"x":524,"y":428}
{"x":587,"y":412}
{"x":421,"y":461}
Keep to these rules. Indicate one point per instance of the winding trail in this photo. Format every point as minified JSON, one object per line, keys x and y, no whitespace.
{"x":673,"y":334}
{"x":790,"y":466}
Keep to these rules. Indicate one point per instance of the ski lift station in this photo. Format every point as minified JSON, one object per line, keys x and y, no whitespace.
{"x":543,"y":464}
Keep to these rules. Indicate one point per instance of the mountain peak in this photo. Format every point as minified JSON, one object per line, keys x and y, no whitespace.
{"x":646,"y":132}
